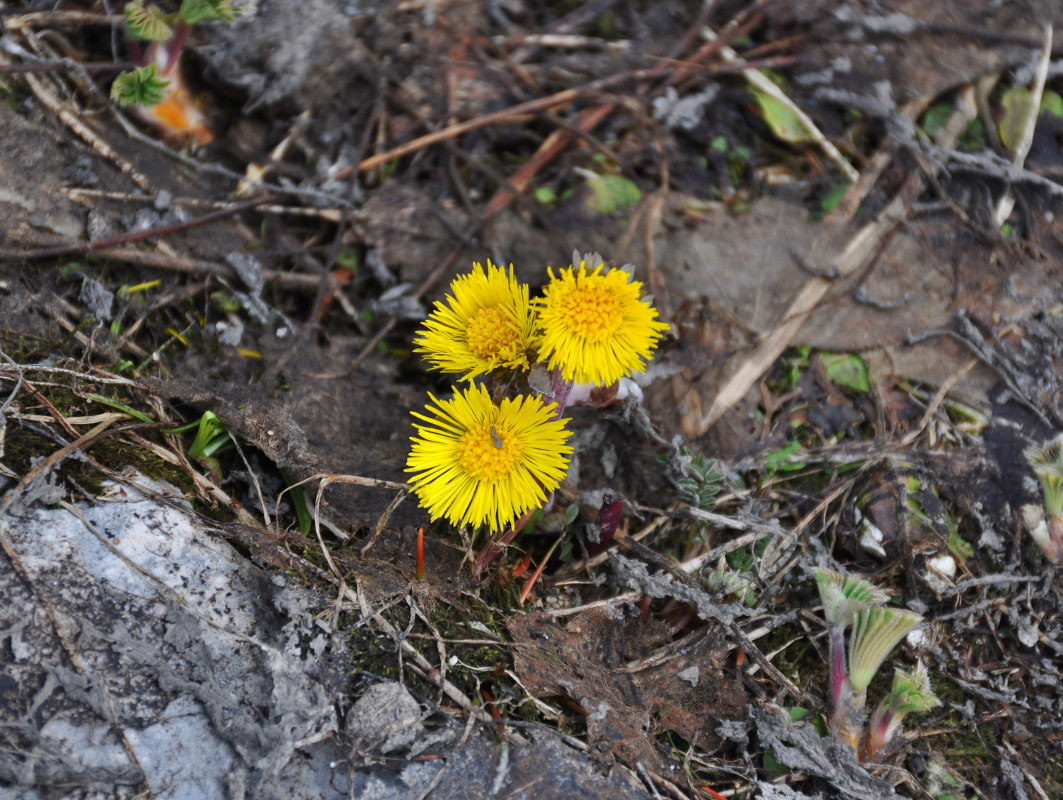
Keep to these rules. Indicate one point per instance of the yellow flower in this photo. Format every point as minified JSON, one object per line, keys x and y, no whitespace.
{"x":486,"y":323}
{"x":475,"y":462}
{"x":595,"y":327}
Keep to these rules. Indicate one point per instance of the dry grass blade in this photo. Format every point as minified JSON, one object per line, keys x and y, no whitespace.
{"x":1006,"y":203}
{"x":857,"y":251}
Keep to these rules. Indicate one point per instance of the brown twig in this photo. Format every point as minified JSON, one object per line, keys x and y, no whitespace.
{"x":551,"y":101}
{"x":73,"y":248}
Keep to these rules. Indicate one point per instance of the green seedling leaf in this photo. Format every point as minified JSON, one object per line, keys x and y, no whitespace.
{"x":934,"y":120}
{"x":1052,"y":103}
{"x":1047,"y":464}
{"x":832,"y":198}
{"x":545,"y":196}
{"x":1015,"y":103}
{"x":141,"y":87}
{"x":876,"y":631}
{"x":302,"y":513}
{"x":843,"y":596}
{"x":974,"y":137}
{"x":846,"y":369}
{"x":193,"y":11}
{"x":211,"y":435}
{"x":773,"y":767}
{"x":960,"y":547}
{"x":106,"y":401}
{"x":571,"y":512}
{"x":782,"y":120}
{"x":611,"y":193}
{"x":719,"y":143}
{"x":348,"y":258}
{"x":147,"y":22}
{"x":779,"y":460}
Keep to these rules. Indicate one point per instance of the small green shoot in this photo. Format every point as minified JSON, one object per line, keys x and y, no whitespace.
{"x":545,"y":195}
{"x":106,"y":401}
{"x":911,"y":692}
{"x":148,"y":23}
{"x":846,"y":369}
{"x":302,"y":513}
{"x":782,"y":460}
{"x":211,"y":436}
{"x":611,"y":193}
{"x":140,"y":87}
{"x":832,"y":199}
{"x":1047,"y":528}
{"x":780,"y":117}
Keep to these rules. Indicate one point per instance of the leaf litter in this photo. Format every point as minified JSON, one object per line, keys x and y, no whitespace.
{"x":858,"y":435}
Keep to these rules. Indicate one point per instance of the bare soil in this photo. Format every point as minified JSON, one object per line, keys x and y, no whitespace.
{"x":863,"y":361}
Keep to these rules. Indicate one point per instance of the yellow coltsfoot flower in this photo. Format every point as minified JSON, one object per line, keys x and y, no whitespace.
{"x":485,"y":324}
{"x":595,"y":327}
{"x":475,"y":462}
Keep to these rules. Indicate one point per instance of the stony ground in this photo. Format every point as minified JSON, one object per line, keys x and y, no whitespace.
{"x":848,"y":212}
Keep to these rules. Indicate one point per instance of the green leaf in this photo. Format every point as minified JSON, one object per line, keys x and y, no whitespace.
{"x":611,"y":193}
{"x":720,"y":144}
{"x":779,"y":460}
{"x":302,"y":513}
{"x":846,"y":369}
{"x":876,"y":631}
{"x":348,"y":258}
{"x":844,"y":595}
{"x":934,"y":120}
{"x":148,"y":23}
{"x":1015,"y":103}
{"x":782,"y":120}
{"x":1047,"y":465}
{"x":832,"y":198}
{"x":1052,"y":103}
{"x":773,"y":767}
{"x":96,"y":398}
{"x":141,"y":87}
{"x":545,"y":195}
{"x":193,"y":11}
{"x":958,"y":546}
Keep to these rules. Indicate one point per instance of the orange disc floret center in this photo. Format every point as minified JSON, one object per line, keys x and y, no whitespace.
{"x":491,"y":334}
{"x":487,"y":453}
{"x":593,"y":312}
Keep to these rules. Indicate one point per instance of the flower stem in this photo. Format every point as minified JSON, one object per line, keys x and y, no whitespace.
{"x":496,"y":547}
{"x":560,"y":390}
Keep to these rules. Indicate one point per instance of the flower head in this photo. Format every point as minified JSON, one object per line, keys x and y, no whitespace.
{"x":477,"y":463}
{"x":485,"y":324}
{"x":595,"y":327}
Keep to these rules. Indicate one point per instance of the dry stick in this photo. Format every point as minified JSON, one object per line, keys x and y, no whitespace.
{"x":74,"y":248}
{"x":855,"y":253}
{"x":66,"y":65}
{"x":1007,"y":200}
{"x":199,"y":266}
{"x":764,"y":84}
{"x":561,"y":98}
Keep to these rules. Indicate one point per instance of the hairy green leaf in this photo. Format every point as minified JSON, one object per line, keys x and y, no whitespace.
{"x":141,"y":87}
{"x":147,"y":22}
{"x":193,"y":11}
